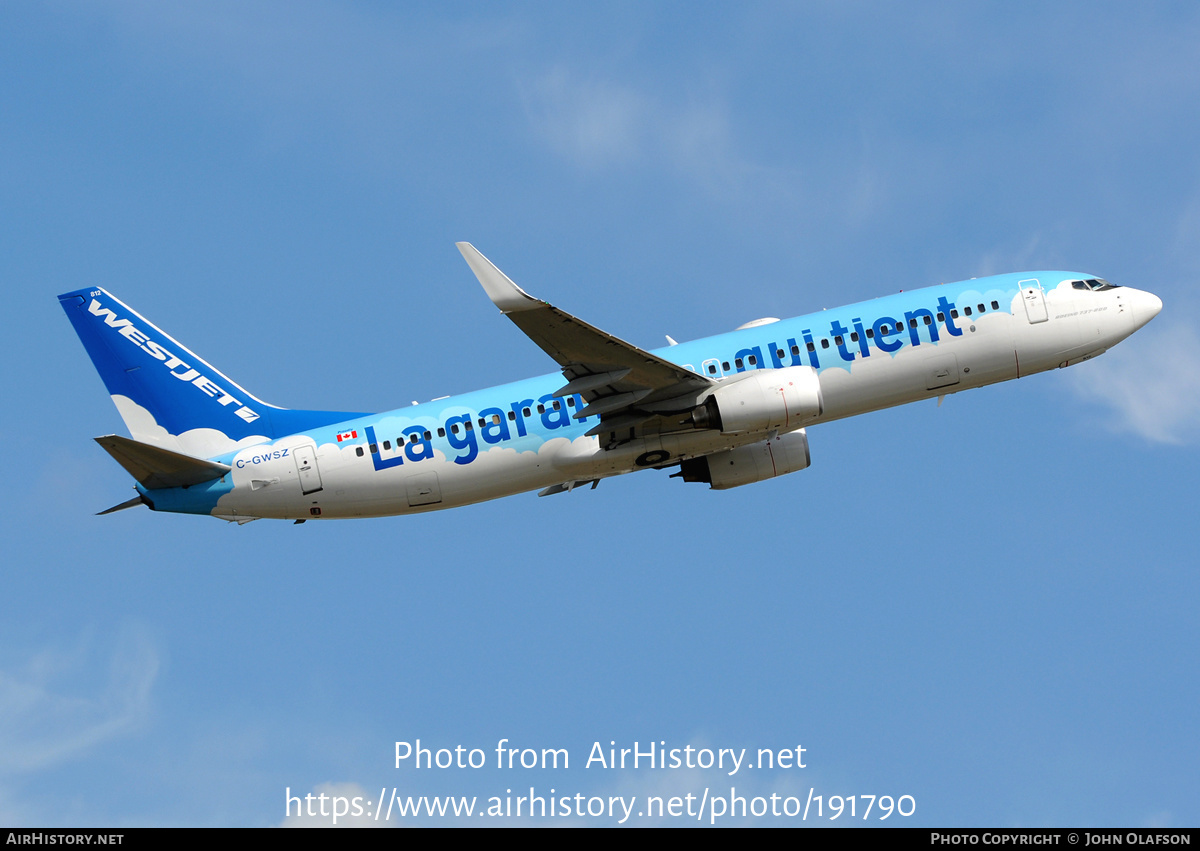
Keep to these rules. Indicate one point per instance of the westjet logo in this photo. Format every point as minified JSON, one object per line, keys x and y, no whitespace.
{"x":173,"y":363}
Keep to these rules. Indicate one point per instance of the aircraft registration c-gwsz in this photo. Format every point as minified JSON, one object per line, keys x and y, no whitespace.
{"x":726,"y":410}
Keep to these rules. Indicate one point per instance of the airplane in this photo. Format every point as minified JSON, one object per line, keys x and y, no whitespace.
{"x":726,"y":411}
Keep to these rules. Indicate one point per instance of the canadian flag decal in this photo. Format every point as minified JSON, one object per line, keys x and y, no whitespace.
{"x":347,"y":435}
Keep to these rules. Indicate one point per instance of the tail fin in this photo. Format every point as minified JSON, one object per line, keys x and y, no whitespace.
{"x":168,"y":396}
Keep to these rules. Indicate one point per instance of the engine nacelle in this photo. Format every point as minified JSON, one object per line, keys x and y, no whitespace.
{"x":766,"y":459}
{"x":763,"y":400}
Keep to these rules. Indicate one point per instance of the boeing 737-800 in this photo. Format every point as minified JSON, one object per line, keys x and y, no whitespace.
{"x":726,"y":410}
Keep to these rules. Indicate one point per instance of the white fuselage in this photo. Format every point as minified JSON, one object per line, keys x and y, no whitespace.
{"x":424,"y":458}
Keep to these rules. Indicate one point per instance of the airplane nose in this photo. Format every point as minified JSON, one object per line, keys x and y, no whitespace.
{"x":1155,"y":304}
{"x":1145,"y":306}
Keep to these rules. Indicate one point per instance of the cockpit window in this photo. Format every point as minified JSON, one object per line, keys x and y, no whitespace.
{"x":1094,"y":284}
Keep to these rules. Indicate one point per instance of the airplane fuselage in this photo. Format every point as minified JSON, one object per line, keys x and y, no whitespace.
{"x":519,"y":437}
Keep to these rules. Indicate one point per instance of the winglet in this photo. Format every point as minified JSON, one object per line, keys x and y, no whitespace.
{"x":503,"y":292}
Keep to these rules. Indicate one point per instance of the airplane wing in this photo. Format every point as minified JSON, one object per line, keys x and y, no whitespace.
{"x":628,"y":387}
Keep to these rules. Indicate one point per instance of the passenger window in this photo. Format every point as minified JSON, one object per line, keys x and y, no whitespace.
{"x":928,"y":320}
{"x":795,"y":351}
{"x":753,"y":360}
{"x":779,"y":353}
{"x":712,"y":368}
{"x":571,"y":402}
{"x":541,"y":409}
{"x":899,"y":327}
{"x":526,"y":412}
{"x":811,"y":347}
{"x":870,"y":333}
{"x":374,"y":448}
{"x":725,"y":365}
{"x":982,"y":309}
{"x":413,"y":438}
{"x":967,"y":311}
{"x":838,"y":339}
{"x":941,"y":316}
{"x":470,"y":425}
{"x":912,"y":323}
{"x":387,"y":444}
{"x":496,"y":417}
{"x":824,"y":343}
{"x":358,"y":451}
{"x":737,"y":362}
{"x":557,"y":405}
{"x":853,"y":336}
{"x":954,"y":314}
{"x":441,"y":432}
{"x":427,"y":435}
{"x":995,"y":305}
{"x":512,"y":417}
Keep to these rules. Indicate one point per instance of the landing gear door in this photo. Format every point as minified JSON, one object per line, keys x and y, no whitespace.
{"x":941,"y":371}
{"x":1035,"y":300}
{"x":306,"y":468}
{"x":423,"y":489}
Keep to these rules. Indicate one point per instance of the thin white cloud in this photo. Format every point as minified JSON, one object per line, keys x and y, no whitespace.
{"x":342,"y":805}
{"x":1157,"y":820}
{"x":592,"y":123}
{"x":1031,"y":255}
{"x":1151,"y":382}
{"x":45,"y":721}
{"x":598,"y":123}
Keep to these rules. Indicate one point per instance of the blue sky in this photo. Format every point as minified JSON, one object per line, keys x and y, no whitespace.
{"x":989,"y":606}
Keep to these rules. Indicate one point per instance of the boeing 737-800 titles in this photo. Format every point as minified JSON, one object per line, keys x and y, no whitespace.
{"x":726,"y":410}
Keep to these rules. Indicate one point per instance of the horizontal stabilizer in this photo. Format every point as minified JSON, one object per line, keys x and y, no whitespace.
{"x":160,"y":468}
{"x":129,"y":503}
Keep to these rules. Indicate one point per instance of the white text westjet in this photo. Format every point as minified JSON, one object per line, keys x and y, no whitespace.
{"x":726,"y":410}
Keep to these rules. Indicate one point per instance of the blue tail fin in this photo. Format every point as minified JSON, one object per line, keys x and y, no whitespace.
{"x":169,"y":396}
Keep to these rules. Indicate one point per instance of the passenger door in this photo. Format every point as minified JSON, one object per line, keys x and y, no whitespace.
{"x":1035,"y":300}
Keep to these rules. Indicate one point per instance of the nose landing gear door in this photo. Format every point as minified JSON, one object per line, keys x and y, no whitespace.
{"x":306,"y":468}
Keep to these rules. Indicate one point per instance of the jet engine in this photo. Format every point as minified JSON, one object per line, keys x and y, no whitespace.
{"x":766,"y":459}
{"x":762,"y":400}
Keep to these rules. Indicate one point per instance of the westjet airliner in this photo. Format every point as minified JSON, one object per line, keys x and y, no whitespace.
{"x":727,"y":410}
